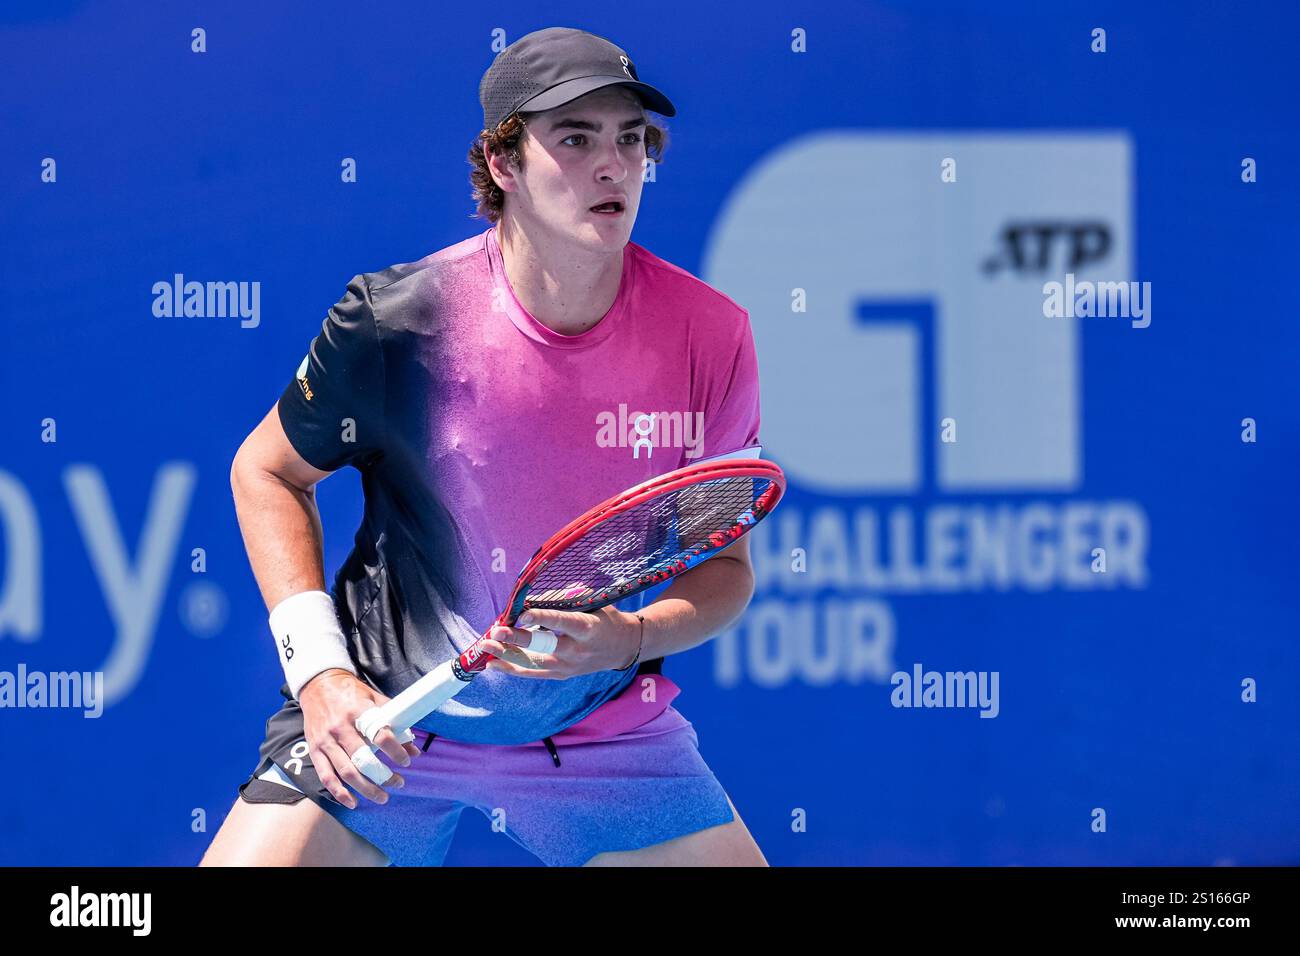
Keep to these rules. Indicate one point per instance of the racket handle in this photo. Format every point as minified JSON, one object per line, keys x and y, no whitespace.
{"x":421,"y":699}
{"x":402,"y":713}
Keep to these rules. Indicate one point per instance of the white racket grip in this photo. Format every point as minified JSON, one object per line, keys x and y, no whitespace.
{"x":400,"y":714}
{"x":371,"y":722}
{"x":413,"y":704}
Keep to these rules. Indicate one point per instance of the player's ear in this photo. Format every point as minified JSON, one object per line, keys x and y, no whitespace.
{"x":503,"y":173}
{"x":497,"y":166}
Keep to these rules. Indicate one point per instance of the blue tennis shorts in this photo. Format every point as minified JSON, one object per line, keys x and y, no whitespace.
{"x":627,"y":776}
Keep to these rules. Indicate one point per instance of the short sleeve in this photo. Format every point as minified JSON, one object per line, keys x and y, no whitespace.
{"x":333,"y":410}
{"x":731,"y":412}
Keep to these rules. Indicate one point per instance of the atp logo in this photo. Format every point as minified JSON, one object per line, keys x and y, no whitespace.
{"x":911,"y":383}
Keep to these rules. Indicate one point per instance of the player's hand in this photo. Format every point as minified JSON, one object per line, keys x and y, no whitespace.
{"x":587,"y":641}
{"x":331,"y":702}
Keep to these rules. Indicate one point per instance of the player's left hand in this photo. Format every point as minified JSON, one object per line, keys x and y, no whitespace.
{"x":587,"y":641}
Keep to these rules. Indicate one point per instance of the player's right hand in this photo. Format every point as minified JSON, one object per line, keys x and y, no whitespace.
{"x":331,"y":702}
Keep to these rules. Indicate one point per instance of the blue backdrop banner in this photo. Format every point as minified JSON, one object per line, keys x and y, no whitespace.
{"x":1030,"y":598}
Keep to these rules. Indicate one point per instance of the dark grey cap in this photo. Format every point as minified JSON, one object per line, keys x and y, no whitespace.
{"x":548,"y":68}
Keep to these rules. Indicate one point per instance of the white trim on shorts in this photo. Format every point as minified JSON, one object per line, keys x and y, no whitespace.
{"x":276,"y":775}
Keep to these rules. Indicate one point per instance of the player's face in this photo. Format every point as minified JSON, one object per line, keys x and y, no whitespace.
{"x":575,"y":157}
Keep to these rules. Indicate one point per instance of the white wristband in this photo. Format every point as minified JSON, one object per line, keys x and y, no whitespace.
{"x":308,"y":638}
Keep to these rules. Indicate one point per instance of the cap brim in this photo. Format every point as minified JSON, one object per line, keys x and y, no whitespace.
{"x":570,"y":90}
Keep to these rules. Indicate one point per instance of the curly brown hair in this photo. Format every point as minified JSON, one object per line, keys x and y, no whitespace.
{"x":508,"y":139}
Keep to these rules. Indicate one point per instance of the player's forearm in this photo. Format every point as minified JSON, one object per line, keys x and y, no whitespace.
{"x":282,"y":533}
{"x":697,"y":606}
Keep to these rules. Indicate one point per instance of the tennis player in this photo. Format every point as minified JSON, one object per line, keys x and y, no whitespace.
{"x":488,"y":394}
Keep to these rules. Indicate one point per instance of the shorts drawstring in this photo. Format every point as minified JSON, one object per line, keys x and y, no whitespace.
{"x":550,"y":745}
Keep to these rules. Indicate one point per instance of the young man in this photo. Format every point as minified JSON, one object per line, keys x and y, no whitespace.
{"x":473,"y":390}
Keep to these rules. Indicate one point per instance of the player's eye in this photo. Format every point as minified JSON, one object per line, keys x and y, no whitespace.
{"x":635,"y":138}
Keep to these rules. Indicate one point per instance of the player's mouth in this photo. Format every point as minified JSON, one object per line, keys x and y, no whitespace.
{"x":613,"y":208}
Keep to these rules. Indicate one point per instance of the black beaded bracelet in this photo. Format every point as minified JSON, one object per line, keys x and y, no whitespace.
{"x":640,"y":644}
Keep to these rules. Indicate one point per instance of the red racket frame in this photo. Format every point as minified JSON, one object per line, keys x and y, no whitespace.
{"x":474,"y":658}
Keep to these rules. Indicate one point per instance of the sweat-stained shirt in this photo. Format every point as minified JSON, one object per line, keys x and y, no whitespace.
{"x":479,"y":432}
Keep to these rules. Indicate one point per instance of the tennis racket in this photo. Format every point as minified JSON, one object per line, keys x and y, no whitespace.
{"x":626,"y":544}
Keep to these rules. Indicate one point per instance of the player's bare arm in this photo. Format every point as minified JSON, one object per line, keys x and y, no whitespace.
{"x":275,"y":501}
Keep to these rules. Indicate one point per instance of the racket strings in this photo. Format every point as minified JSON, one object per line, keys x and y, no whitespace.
{"x":650,"y":539}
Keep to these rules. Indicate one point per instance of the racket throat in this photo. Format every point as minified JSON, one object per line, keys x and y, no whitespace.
{"x":461,"y":674}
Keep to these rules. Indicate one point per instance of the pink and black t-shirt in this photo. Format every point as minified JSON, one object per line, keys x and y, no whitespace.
{"x":479,"y":432}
